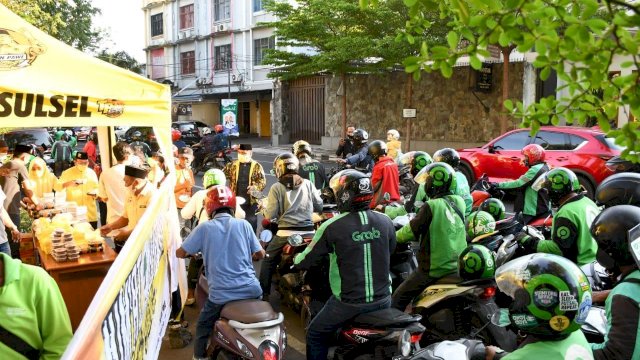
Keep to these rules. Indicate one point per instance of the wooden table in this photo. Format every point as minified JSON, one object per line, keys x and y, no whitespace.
{"x":79,"y":280}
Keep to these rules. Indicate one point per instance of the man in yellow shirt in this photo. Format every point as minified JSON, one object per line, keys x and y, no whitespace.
{"x":81,"y":185}
{"x":394,"y":145}
{"x":138,"y":195}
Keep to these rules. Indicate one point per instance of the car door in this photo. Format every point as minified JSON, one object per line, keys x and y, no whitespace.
{"x":557,"y":147}
{"x":501,"y":159}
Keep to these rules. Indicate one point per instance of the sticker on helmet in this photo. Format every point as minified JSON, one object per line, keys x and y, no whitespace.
{"x":585,"y":306}
{"x":584,"y":285}
{"x":559,"y":323}
{"x":364,"y":184}
{"x":524,"y":320}
{"x":568,"y":301}
{"x":345,"y":197}
{"x":545,"y":297}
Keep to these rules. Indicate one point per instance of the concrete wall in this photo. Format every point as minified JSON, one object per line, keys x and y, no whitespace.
{"x":448,"y":114}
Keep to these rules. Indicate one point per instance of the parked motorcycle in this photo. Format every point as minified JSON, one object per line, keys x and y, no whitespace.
{"x":216,"y":160}
{"x":248,"y":329}
{"x":463,"y":349}
{"x":619,"y":165}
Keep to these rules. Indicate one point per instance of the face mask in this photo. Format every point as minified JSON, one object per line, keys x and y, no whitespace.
{"x":244,"y":158}
{"x":82,"y":167}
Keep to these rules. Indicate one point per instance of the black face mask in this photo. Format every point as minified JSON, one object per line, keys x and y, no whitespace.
{"x":606,"y":260}
{"x":350,"y":137}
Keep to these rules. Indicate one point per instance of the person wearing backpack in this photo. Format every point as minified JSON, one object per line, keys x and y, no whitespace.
{"x":61,"y":152}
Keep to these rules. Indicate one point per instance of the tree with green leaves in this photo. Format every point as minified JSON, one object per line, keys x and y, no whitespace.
{"x":578,"y":39}
{"x":70,"y":21}
{"x":121,"y":59}
{"x":340,"y":37}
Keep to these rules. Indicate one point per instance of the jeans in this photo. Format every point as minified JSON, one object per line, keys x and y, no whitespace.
{"x":333,"y":315}
{"x":410,"y":288}
{"x":250,"y":211}
{"x":270,"y":262}
{"x":15,"y":246}
{"x":5,"y":248}
{"x":208,"y":316}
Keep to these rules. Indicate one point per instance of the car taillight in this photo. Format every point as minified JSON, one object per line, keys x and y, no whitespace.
{"x":488,"y":293}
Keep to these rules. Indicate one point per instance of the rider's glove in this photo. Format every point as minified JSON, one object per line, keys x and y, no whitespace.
{"x":526,"y":240}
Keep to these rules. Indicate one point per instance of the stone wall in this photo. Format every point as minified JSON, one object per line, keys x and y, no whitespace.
{"x":448,"y":114}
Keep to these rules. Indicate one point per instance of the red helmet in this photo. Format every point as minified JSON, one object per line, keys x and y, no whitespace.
{"x":218,"y":128}
{"x":218,"y":197}
{"x":533,"y":154}
{"x":175,"y":134}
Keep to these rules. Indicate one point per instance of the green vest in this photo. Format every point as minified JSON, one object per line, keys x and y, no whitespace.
{"x":581,"y":213}
{"x":632,"y":291}
{"x":574,"y":347}
{"x":421,"y":198}
{"x":446,"y":238}
{"x":462,"y":190}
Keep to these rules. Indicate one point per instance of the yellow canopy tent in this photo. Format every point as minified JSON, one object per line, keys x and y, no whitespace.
{"x":44,"y":83}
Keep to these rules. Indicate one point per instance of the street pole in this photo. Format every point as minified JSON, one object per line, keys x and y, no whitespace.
{"x":409,"y":106}
{"x":229,"y":79}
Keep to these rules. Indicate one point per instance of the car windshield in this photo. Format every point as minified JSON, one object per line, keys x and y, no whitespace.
{"x":186,"y":127}
{"x":27,"y":137}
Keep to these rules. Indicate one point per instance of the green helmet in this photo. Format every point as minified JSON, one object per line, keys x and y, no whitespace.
{"x":495,"y":207}
{"x":476,"y":262}
{"x":559,"y":182}
{"x":439,"y":179}
{"x":551,"y":295}
{"x":213,"y":177}
{"x":416,"y":160}
{"x":480,"y":223}
{"x":59,"y":134}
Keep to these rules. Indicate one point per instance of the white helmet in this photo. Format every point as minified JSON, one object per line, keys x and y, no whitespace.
{"x":394,"y":134}
{"x":205,"y":131}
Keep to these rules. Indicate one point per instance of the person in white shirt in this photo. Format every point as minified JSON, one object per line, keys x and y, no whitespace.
{"x":111,"y":189}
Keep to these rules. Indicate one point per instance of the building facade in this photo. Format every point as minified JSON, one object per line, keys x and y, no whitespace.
{"x":209,"y":50}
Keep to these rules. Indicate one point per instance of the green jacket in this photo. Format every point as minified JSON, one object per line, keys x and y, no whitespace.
{"x":31,"y":298}
{"x":574,"y":347}
{"x":413,"y":205}
{"x":622,"y":339}
{"x":441,"y":233}
{"x":534,"y":202}
{"x":571,"y":237}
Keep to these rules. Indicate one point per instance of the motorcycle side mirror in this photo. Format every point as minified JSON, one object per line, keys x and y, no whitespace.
{"x":491,"y":149}
{"x":295,"y":240}
{"x":500,"y":318}
{"x":266,"y":236}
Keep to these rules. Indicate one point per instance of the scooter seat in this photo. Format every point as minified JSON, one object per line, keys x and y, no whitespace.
{"x":385,"y":318}
{"x":248,"y":311}
{"x":449,"y":279}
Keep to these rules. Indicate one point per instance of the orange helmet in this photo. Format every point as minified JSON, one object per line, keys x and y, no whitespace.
{"x":533,"y":154}
{"x":218,"y":128}
{"x":218,"y":197}
{"x":175,"y":134}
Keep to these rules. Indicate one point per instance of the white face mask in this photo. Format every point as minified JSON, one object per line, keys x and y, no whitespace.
{"x":244,"y":158}
{"x":82,"y":167}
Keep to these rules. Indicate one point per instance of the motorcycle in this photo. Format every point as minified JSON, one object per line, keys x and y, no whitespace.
{"x":463,"y":349}
{"x":248,"y":329}
{"x":215,"y":160}
{"x":406,"y":180}
{"x":619,"y":165}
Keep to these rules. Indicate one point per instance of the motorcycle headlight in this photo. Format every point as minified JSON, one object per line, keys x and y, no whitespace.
{"x":404,"y":343}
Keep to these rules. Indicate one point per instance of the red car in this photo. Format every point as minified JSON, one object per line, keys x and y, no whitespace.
{"x":583,"y":150}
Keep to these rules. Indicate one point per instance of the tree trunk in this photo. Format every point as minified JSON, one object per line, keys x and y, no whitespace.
{"x":506,"y":51}
{"x":344,"y":106}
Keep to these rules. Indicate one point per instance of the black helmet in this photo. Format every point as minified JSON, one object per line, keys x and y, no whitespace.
{"x":447,"y":155}
{"x":559,"y":183}
{"x":352,"y":189}
{"x":360,"y":137}
{"x":495,"y":207}
{"x":300,"y":147}
{"x":285,"y":163}
{"x":416,"y":160}
{"x":610,"y":230}
{"x":551,"y":295}
{"x":377,"y":149}
{"x":136,"y":136}
{"x":619,"y":189}
{"x":439,"y":179}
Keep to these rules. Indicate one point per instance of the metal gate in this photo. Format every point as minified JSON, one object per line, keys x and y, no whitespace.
{"x":306,"y":109}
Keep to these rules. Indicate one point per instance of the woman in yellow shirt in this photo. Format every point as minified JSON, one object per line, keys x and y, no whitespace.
{"x":42,"y":180}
